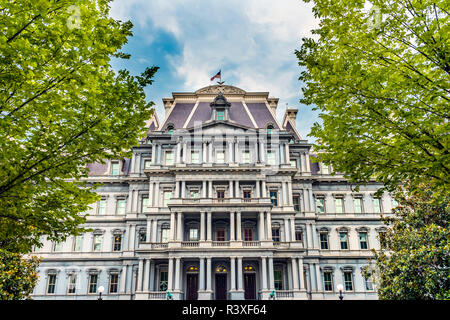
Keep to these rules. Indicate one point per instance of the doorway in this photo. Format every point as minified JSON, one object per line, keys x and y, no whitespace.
{"x":192,"y":286}
{"x":221,"y":286}
{"x":250,"y":286}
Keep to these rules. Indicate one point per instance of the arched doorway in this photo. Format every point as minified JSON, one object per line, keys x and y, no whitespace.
{"x":221,"y":283}
{"x":192,"y":283}
{"x":249,"y":282}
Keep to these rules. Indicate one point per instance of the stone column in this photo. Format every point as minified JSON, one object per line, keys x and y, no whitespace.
{"x":146,"y":273}
{"x":237,"y":191}
{"x":294,"y":273}
{"x":157,"y":195}
{"x":236,"y":152}
{"x":131,"y":237}
{"x":208,"y":274}
{"x":210,"y":153}
{"x":209,"y":226}
{"x":233,"y":273}
{"x":308,"y":165}
{"x":300,"y":267}
{"x":269,"y":226}
{"x":258,"y":191}
{"x":177,"y":273}
{"x":318,"y":278}
{"x":264,"y":190}
{"x":261,"y":235}
{"x":172,"y":226}
{"x":286,"y":153}
{"x":210,"y":191}
{"x":292,"y":229}
{"x":262,"y":152}
{"x":286,"y":230}
{"x":230,"y":152}
{"x":151,"y":197}
{"x":240,"y":277}
{"x":183,"y":189}
{"x":289,"y":190}
{"x":284,"y":193}
{"x":230,"y":189}
{"x":140,"y":272}
{"x":170,"y":275}
{"x":178,"y":156}
{"x":202,"y":226}
{"x":264,"y":273}
{"x":179,"y":223}
{"x":184,"y":152}
{"x":147,"y":231}
{"x":238,"y":226}
{"x":203,"y":189}
{"x":152,"y":276}
{"x":153,"y":153}
{"x":202,"y":274}
{"x":271,"y":280}
{"x":123,"y":279}
{"x":154,"y":230}
{"x":204,"y":156}
{"x":177,"y":189}
{"x":232,"y":229}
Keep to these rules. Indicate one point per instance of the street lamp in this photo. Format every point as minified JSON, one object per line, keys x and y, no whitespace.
{"x":100,"y":291}
{"x":340,"y":287}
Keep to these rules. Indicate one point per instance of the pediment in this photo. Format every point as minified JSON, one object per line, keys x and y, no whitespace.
{"x":217,"y":127}
{"x":215,"y":89}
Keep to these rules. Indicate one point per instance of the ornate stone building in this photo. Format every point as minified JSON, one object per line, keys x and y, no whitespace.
{"x":220,"y":201}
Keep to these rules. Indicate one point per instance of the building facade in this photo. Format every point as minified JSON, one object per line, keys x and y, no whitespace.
{"x":219,"y":201}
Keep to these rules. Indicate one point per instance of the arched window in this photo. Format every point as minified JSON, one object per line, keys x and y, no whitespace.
{"x":269,"y":129}
{"x":169,"y":129}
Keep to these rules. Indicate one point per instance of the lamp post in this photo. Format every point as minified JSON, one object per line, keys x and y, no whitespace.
{"x":100,"y":291}
{"x":340,"y":287}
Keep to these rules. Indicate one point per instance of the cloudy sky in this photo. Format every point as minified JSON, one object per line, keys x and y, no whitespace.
{"x":251,"y":41}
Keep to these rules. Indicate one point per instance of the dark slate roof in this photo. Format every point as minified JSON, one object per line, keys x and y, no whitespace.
{"x":202,"y":113}
{"x":97,"y":169}
{"x":239,"y":115}
{"x":126,"y":165}
{"x":261,"y":115}
{"x":314,"y":166}
{"x":152,"y":127}
{"x":290,"y":129}
{"x":179,"y":114}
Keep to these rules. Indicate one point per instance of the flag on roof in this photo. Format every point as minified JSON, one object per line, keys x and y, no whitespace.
{"x":217,"y":76}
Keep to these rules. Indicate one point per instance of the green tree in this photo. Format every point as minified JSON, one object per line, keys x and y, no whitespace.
{"x":61,"y":107}
{"x":18,"y":275}
{"x":380,"y":78}
{"x":417,"y":265}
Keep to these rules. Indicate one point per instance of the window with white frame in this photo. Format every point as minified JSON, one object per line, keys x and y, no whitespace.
{"x":363,"y":240}
{"x":328,"y":280}
{"x":120,"y":206}
{"x":147,"y":164}
{"x":293,"y":163}
{"x":276,"y":233}
{"x":278,"y":278}
{"x":325,"y":169}
{"x":271,"y":158}
{"x":165,"y":233}
{"x":193,"y":234}
{"x":51,"y":283}
{"x":358,"y":204}
{"x":113,"y":282}
{"x":296,"y":201}
{"x":339,"y":204}
{"x":368,"y":282}
{"x":323,"y":235}
{"x":343,"y":240}
{"x":145,"y":203}
{"x":348,"y":280}
{"x":167,"y":196}
{"x":220,"y":156}
{"x":195,"y":157}
{"x":163,"y":279}
{"x":320,"y":204}
{"x":377,"y":205}
{"x":72,"y":283}
{"x":117,"y":244}
{"x":142,"y":236}
{"x":77,"y":243}
{"x":97,"y":243}
{"x":246,"y":157}
{"x":193,"y":193}
{"x":274,"y":197}
{"x":168,"y":158}
{"x":92,"y":285}
{"x":101,"y":207}
{"x":115,"y":168}
{"x":220,"y":115}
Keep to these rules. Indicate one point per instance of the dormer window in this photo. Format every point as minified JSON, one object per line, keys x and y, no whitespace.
{"x":269,"y":129}
{"x":170,"y":129}
{"x":220,"y":115}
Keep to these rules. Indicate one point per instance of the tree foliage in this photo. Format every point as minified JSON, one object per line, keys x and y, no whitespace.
{"x":18,"y":275}
{"x":382,"y":84}
{"x":61,"y":107}
{"x":417,"y":263}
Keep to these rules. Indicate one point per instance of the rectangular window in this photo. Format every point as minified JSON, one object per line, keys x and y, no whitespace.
{"x":363,"y":240}
{"x":220,"y":234}
{"x":145,"y":202}
{"x":382,"y":238}
{"x":325,"y":169}
{"x":77,"y":243}
{"x":296,"y":200}
{"x":274,"y":198}
{"x":115,"y":168}
{"x":121,"y":204}
{"x":328,"y":281}
{"x":147,"y":164}
{"x":117,"y":242}
{"x":168,"y":158}
{"x":220,"y":157}
{"x":298,"y":235}
{"x":193,"y":193}
{"x":93,"y":283}
{"x":339,"y":203}
{"x":358,"y":202}
{"x":246,"y":157}
{"x":248,"y":234}
{"x":294,"y":163}
{"x":165,"y":232}
{"x":343,"y":240}
{"x":323,"y":240}
{"x":51,"y":284}
{"x":247,"y":195}
{"x":348,"y":281}
{"x":97,"y":243}
{"x":102,"y":207}
{"x":167,"y":197}
{"x":276,"y":234}
{"x":113,"y":282}
{"x":193,"y":234}
{"x":195,"y":157}
{"x":142,"y":236}
{"x":369,"y":284}
{"x":278,"y":279}
{"x":220,"y":115}
{"x":320,"y":205}
{"x":57,"y":246}
{"x":163,"y":280}
{"x":271,"y":158}
{"x":377,"y":205}
{"x":220,"y":194}
{"x":72,"y":283}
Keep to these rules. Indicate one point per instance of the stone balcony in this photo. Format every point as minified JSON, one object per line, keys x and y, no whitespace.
{"x":231,"y":245}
